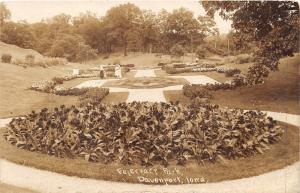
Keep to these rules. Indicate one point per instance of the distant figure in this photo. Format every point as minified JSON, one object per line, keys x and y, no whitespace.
{"x":118,"y":72}
{"x":197,"y":60}
{"x":102,"y":72}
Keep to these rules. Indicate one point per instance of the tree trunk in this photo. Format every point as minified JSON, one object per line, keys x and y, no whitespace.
{"x":125,"y":48}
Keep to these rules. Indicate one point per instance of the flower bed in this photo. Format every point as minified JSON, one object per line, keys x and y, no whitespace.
{"x":156,"y":133}
{"x":51,"y":86}
{"x":172,"y":70}
{"x":200,"y":69}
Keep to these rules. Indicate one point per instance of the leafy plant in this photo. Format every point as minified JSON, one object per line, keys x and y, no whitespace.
{"x":156,"y":133}
{"x":231,"y":72}
{"x":192,"y":91}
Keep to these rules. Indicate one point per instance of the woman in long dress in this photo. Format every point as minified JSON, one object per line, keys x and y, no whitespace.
{"x":118,"y":72}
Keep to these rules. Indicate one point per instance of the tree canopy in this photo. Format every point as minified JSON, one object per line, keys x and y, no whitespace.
{"x":273,"y":25}
{"x":125,"y":28}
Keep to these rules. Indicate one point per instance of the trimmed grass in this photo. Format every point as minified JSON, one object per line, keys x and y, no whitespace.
{"x":5,"y":188}
{"x":114,"y":97}
{"x":278,"y":156}
{"x":146,"y":82}
{"x":138,"y":59}
{"x":279,"y":93}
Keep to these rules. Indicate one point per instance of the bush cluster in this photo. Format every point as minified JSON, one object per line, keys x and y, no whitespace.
{"x":193,"y":91}
{"x":6,"y":58}
{"x":232,"y":72}
{"x":172,"y":70}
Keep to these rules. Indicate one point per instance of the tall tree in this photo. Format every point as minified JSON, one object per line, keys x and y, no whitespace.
{"x":4,"y":14}
{"x":123,"y":21}
{"x":274,"y":25}
{"x":147,"y":30}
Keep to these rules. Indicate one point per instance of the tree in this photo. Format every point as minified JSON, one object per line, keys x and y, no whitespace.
{"x":177,"y":50}
{"x":91,"y":29}
{"x":181,"y":25}
{"x":72,"y":47}
{"x":273,"y":25}
{"x":122,"y":20}
{"x":19,"y":34}
{"x":147,"y":29}
{"x":4,"y":14}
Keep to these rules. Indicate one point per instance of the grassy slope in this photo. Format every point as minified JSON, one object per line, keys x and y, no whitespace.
{"x":139,"y":59}
{"x":279,"y":93}
{"x":17,"y":52}
{"x":4,"y":188}
{"x":16,"y":99}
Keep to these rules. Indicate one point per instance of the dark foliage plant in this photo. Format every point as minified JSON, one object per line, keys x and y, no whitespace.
{"x":145,"y":133}
{"x":6,"y":58}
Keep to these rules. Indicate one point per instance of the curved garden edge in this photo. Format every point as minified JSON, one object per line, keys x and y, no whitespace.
{"x":32,"y":174}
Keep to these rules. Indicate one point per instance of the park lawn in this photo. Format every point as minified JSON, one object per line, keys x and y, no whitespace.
{"x":279,"y":93}
{"x":15,"y":97}
{"x":138,"y":59}
{"x":115,"y":97}
{"x":280,"y":154}
{"x":5,"y":188}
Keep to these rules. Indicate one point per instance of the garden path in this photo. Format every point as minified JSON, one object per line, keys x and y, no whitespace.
{"x":153,"y":94}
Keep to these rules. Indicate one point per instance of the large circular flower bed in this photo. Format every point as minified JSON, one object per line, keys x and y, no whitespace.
{"x":145,"y":133}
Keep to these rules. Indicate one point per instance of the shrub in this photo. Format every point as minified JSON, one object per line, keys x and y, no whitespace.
{"x":156,"y":133}
{"x":58,"y":80}
{"x":128,"y":65}
{"x":193,"y":91}
{"x":71,"y":91}
{"x":162,"y":64}
{"x":171,"y":70}
{"x":241,"y":59}
{"x":43,"y":86}
{"x":201,"y":52}
{"x":29,"y":59}
{"x":179,"y":65}
{"x":6,"y":58}
{"x":207,"y":65}
{"x":231,"y":72}
{"x":93,"y":96}
{"x":220,"y":86}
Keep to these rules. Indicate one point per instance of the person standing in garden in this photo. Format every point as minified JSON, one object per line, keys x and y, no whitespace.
{"x":118,"y":72}
{"x":102,"y":72}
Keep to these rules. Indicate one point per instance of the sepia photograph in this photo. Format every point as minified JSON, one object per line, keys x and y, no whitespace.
{"x":149,"y":96}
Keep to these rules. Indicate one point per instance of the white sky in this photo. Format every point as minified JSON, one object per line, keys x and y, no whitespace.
{"x":34,"y":11}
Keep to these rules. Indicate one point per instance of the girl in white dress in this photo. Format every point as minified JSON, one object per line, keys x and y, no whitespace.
{"x":118,"y":72}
